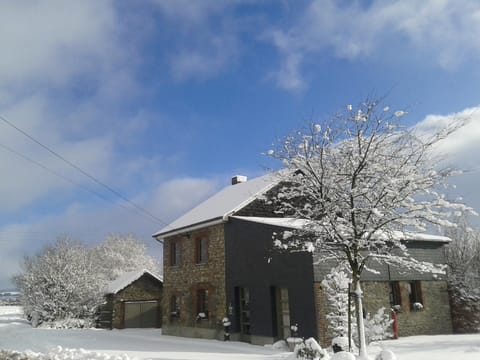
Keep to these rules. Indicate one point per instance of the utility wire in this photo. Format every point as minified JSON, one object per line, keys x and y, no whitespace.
{"x":5,"y":147}
{"x":110,"y":189}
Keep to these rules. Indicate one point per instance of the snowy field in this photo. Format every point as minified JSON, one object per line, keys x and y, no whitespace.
{"x":16,"y":334}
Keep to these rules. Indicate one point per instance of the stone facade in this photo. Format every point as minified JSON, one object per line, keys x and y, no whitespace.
{"x":237,"y":251}
{"x":143,"y":289}
{"x":322,"y":309}
{"x":434,"y":318}
{"x":184,"y":280}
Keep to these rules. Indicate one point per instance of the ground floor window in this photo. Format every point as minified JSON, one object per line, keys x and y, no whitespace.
{"x":202,"y":304}
{"x":175,"y":306}
{"x":395,"y":296}
{"x":411,"y":290}
{"x":415,"y":295}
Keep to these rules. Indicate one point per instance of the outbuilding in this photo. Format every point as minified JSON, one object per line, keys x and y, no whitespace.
{"x":134,"y":300}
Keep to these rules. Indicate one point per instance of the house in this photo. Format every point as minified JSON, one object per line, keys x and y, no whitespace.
{"x":219,"y":262}
{"x":134,"y":300}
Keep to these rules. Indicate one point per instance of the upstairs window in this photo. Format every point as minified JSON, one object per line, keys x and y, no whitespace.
{"x":201,"y":250}
{"x":175,"y":252}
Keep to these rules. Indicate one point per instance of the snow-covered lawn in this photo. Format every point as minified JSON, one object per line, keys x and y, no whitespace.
{"x":17,"y":334}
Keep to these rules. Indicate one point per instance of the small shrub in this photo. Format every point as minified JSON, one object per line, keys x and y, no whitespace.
{"x":310,"y":350}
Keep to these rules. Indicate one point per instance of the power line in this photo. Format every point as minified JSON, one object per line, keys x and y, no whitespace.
{"x":9,"y":149}
{"x":76,"y":167}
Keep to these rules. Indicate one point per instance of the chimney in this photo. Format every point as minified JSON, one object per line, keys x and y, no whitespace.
{"x":237,"y":179}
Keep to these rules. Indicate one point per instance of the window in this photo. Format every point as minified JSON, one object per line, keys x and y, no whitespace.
{"x":175,"y":306}
{"x":395,"y":297}
{"x":202,"y":304}
{"x":201,"y":250}
{"x":415,"y":295}
{"x":175,"y":252}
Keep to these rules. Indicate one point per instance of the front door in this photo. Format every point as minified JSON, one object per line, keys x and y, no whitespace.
{"x":281,"y":306}
{"x":243,"y":305}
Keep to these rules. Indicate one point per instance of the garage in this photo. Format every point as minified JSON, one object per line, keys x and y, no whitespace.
{"x":141,"y":314}
{"x":133,"y":301}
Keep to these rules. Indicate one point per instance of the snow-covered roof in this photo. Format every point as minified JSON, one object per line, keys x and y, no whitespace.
{"x":290,"y":223}
{"x":221,"y":205}
{"x":293,"y":223}
{"x":126,"y":279}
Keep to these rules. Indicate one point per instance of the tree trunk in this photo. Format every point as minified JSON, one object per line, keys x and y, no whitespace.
{"x":361,"y":327}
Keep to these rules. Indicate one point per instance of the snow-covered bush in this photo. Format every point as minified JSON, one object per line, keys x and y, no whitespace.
{"x":309,"y":349}
{"x":340,"y":343}
{"x":58,"y":283}
{"x":119,"y":254}
{"x":378,"y":327}
{"x":63,"y":285}
{"x":60,"y":353}
{"x":463,"y":260}
{"x":70,"y":323}
{"x":335,"y":286}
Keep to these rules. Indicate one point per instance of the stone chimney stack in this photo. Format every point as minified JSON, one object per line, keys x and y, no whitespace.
{"x":237,"y":179}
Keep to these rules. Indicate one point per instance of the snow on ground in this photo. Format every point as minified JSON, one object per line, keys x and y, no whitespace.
{"x":17,"y":334}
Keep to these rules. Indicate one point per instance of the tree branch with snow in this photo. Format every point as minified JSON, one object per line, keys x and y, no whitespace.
{"x":363,"y":181}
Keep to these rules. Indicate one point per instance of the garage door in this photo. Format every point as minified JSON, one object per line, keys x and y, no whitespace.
{"x":141,"y":314}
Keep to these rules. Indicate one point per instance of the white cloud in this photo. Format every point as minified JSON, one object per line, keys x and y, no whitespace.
{"x":52,"y":41}
{"x":172,"y":198}
{"x":208,"y":37}
{"x":91,"y":223}
{"x":460,"y":150}
{"x":24,"y":182}
{"x":193,"y":13}
{"x":205,"y":61}
{"x":460,"y":145}
{"x":445,"y":32}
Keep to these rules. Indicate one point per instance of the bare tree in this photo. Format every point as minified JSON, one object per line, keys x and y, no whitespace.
{"x":362,"y":181}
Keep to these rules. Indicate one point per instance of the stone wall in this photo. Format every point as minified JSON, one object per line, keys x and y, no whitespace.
{"x":434,"y":318}
{"x":143,"y":289}
{"x":322,"y":309}
{"x":185,"y":279}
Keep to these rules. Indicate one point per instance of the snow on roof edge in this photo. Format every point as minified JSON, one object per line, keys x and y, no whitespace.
{"x":128,"y":278}
{"x":293,"y":223}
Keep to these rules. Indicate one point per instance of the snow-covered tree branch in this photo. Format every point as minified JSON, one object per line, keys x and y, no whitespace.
{"x":66,"y":280}
{"x":363,"y":182}
{"x":463,"y":260}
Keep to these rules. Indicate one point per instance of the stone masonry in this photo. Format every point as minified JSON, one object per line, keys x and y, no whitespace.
{"x":143,"y":289}
{"x":434,"y":318}
{"x":185,"y":279}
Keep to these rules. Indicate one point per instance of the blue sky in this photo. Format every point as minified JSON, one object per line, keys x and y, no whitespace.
{"x":165,"y":100}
